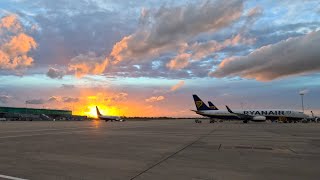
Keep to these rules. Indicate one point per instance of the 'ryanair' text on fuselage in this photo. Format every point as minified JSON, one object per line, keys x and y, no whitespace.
{"x":266,"y":113}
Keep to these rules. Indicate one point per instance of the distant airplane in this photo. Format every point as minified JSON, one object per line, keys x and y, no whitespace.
{"x":108,"y":118}
{"x":258,"y":115}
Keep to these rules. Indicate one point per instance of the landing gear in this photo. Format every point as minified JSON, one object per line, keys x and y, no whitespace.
{"x":211,"y":120}
{"x":197,"y":121}
{"x":282,"y":119}
{"x":245,"y":121}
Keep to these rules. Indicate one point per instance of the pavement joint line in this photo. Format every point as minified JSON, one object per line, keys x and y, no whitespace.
{"x":168,"y":157}
{"x":11,"y":177}
{"x":292,"y":151}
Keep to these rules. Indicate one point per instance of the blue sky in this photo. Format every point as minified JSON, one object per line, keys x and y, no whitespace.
{"x":154,"y":55}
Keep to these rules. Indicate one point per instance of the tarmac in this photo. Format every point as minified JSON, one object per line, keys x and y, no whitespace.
{"x":159,"y":149}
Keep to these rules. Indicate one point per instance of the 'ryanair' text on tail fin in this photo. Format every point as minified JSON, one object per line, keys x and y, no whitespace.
{"x":200,"y":104}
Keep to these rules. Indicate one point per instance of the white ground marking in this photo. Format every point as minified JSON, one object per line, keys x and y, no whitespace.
{"x":36,"y":130}
{"x":11,"y":177}
{"x":30,"y":135}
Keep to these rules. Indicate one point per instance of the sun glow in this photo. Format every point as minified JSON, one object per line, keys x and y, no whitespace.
{"x":92,"y":112}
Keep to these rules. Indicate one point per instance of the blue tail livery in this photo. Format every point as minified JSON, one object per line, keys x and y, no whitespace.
{"x":200,"y":104}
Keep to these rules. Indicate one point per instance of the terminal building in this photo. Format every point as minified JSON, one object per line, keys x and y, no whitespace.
{"x":30,"y":114}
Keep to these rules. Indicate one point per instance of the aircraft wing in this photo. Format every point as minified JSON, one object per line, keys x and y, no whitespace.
{"x":240,"y":115}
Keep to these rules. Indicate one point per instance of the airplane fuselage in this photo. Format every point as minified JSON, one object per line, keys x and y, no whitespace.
{"x":270,"y":114}
{"x":109,"y":118}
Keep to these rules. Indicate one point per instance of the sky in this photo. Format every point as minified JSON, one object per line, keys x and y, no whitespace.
{"x":147,"y":58}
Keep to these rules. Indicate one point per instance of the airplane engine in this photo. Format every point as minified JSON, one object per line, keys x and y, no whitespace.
{"x":259,"y":118}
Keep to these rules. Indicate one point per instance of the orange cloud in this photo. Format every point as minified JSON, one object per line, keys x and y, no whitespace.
{"x":177,"y":86}
{"x":155,"y":99}
{"x":118,"y":50}
{"x":10,"y":22}
{"x":161,"y":31}
{"x":85,"y":64}
{"x":14,"y":45}
{"x":20,"y":44}
{"x":179,"y":62}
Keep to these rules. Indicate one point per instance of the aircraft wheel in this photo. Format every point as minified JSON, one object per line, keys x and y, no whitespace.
{"x":245,"y":121}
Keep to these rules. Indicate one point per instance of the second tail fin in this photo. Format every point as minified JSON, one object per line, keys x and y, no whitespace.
{"x":212,"y":106}
{"x":200,"y":104}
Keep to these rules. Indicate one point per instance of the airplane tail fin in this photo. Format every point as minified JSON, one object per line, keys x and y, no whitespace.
{"x":200,"y":104}
{"x":98,"y":112}
{"x":212,"y":106}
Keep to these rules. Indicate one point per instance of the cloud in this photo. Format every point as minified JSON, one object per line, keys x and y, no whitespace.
{"x":116,"y":98}
{"x":179,"y":62}
{"x":65,"y":99}
{"x":89,"y":63}
{"x":4,"y":99}
{"x":10,"y":22}
{"x":35,"y":101}
{"x":55,"y":73}
{"x":294,"y":56}
{"x":70,"y":99}
{"x":170,"y":28}
{"x":155,"y":99}
{"x":68,"y":86}
{"x":14,"y":44}
{"x":53,"y":99}
{"x":177,"y":86}
{"x":200,"y":50}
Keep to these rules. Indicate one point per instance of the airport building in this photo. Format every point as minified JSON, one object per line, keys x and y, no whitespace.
{"x":29,"y":114}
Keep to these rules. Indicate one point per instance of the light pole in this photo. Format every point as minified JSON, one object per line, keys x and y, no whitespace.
{"x":301,"y":94}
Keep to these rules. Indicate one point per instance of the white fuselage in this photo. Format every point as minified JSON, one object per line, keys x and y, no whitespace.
{"x":268,"y":113}
{"x":110,"y":118}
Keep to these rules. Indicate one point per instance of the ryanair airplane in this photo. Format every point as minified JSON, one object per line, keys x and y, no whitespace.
{"x":108,"y":118}
{"x":258,"y":115}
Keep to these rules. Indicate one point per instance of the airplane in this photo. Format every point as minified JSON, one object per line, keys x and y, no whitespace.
{"x":212,"y":106}
{"x":258,"y":115}
{"x":313,"y":118}
{"x":108,"y":118}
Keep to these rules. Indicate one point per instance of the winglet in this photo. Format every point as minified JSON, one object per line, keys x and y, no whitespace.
{"x":229,"y":110}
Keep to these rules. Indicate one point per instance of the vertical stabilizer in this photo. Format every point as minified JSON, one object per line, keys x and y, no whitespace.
{"x":200,"y":104}
{"x":98,"y":112}
{"x":212,"y":106}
